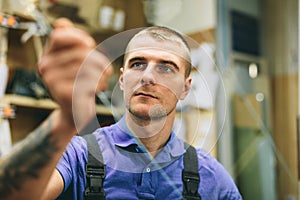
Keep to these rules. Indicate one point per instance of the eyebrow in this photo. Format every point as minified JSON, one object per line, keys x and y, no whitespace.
{"x":170,"y":63}
{"x":141,"y":58}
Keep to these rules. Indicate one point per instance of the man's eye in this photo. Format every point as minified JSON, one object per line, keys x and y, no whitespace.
{"x":165,"y":68}
{"x":138,"y":65}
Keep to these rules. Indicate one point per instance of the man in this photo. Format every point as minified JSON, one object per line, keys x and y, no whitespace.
{"x":143,"y":157}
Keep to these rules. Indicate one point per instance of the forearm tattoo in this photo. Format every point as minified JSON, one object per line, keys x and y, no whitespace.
{"x":25,"y":161}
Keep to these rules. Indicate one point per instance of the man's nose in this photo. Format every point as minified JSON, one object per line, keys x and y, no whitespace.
{"x":148,"y":76}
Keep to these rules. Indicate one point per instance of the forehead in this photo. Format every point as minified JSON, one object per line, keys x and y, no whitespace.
{"x":146,"y":44}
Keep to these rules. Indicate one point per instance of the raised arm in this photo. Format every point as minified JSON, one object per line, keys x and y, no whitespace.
{"x":26,"y":170}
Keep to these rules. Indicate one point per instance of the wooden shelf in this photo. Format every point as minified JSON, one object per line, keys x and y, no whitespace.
{"x":28,"y":102}
{"x":30,"y":112}
{"x":48,"y":104}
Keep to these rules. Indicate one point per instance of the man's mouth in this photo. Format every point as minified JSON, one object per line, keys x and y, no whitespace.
{"x":144,"y":94}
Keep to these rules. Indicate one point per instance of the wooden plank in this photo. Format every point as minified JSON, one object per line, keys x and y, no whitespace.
{"x":285,"y":107}
{"x":247,"y":111}
{"x":30,"y":112}
{"x":205,"y":36}
{"x":24,"y":101}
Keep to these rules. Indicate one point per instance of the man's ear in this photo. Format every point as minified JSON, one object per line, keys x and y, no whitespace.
{"x":121,"y":78}
{"x":186,"y":89}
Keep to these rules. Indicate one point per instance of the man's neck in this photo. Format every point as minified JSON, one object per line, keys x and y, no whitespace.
{"x":153,"y":134}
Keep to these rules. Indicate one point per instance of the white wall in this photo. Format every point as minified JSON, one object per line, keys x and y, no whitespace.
{"x":194,"y":15}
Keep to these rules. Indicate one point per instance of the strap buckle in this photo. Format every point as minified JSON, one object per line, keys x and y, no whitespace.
{"x":191,"y":184}
{"x":95,"y":177}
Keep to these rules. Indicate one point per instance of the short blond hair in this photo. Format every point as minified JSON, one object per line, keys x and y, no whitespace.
{"x":162,"y":33}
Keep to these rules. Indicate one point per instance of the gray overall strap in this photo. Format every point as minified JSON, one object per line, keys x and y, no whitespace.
{"x":95,"y":170}
{"x":190,"y":174}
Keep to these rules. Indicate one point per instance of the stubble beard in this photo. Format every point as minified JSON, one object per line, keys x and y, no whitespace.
{"x":156,"y":113}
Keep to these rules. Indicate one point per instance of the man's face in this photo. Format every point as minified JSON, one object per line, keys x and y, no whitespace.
{"x":153,"y":78}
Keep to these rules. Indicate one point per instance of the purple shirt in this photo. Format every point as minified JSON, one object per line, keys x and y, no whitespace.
{"x":131,"y":174}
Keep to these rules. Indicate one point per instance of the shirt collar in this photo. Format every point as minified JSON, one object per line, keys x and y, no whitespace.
{"x":125,"y":138}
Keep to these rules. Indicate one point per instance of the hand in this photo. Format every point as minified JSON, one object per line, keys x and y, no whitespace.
{"x":73,"y":71}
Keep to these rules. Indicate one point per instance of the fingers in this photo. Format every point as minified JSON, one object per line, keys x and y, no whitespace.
{"x":72,"y":69}
{"x":66,"y":35}
{"x":62,"y":38}
{"x":63,"y":23}
{"x":63,"y":41}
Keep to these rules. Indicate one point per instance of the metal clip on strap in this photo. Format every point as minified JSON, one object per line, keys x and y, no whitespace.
{"x":191,"y":183}
{"x":190,"y":175}
{"x":94,"y":176}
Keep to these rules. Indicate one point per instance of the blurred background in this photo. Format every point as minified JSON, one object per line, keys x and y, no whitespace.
{"x":243,"y":107}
